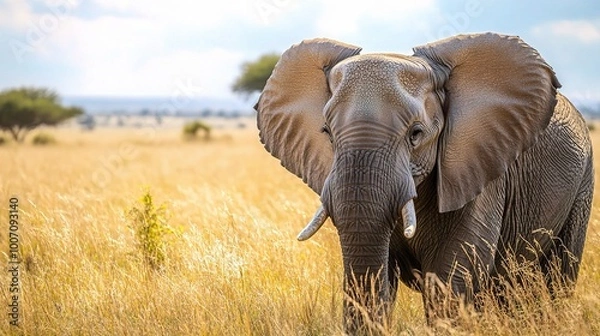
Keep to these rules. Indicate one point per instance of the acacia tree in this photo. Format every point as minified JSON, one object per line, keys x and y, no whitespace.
{"x":24,"y":109}
{"x":255,"y":74}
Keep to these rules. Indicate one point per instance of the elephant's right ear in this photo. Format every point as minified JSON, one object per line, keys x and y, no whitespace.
{"x":290,"y":108}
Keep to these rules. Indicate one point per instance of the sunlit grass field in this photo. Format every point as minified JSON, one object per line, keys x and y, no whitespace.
{"x":235,"y":268}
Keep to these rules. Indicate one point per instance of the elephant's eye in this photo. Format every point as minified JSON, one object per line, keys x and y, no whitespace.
{"x":327,"y":131}
{"x":416,"y":134}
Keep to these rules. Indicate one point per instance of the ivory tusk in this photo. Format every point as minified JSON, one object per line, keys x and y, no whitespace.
{"x":314,"y":225}
{"x":409,"y":218}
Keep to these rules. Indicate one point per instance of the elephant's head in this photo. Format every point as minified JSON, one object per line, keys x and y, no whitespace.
{"x":364,"y":130}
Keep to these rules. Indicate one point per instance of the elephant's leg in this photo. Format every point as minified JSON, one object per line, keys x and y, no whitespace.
{"x":457,"y":278}
{"x":464,"y":259}
{"x":563,"y":264}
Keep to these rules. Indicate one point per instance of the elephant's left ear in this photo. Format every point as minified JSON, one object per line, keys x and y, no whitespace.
{"x":500,"y":94}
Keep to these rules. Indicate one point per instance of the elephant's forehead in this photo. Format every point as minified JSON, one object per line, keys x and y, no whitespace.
{"x":369,"y":82}
{"x":381,"y":72}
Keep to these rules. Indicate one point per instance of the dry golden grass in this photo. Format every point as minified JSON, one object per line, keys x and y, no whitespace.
{"x":236,"y":269}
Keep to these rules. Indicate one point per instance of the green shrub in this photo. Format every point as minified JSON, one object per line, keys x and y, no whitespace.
{"x":43,"y":139}
{"x":151,"y":231}
{"x":190,"y":129}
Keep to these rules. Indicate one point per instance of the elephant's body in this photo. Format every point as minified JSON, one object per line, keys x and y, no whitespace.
{"x":538,"y":208}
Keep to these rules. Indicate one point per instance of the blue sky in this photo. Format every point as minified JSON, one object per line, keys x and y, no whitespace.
{"x":195,"y":48}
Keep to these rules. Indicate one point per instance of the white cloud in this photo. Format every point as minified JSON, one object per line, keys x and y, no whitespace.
{"x":267,"y":12}
{"x":340,"y":18}
{"x":585,"y":31}
{"x":127,"y":56}
{"x":15,"y":14}
{"x":124,"y":5}
{"x":206,"y":73}
{"x":182,"y":12}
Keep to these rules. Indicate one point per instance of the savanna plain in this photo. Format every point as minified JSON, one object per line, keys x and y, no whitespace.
{"x":231,"y":263}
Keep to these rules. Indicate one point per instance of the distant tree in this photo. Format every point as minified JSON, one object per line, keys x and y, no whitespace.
{"x":24,"y":109}
{"x":255,"y":74}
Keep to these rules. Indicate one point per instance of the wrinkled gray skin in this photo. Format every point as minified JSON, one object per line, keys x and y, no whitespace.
{"x":471,"y":128}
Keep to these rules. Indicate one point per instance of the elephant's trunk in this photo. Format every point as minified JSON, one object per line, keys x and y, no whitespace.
{"x":366,"y":279}
{"x":365,"y":191}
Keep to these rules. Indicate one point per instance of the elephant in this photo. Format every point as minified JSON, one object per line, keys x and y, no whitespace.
{"x":467,"y":143}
